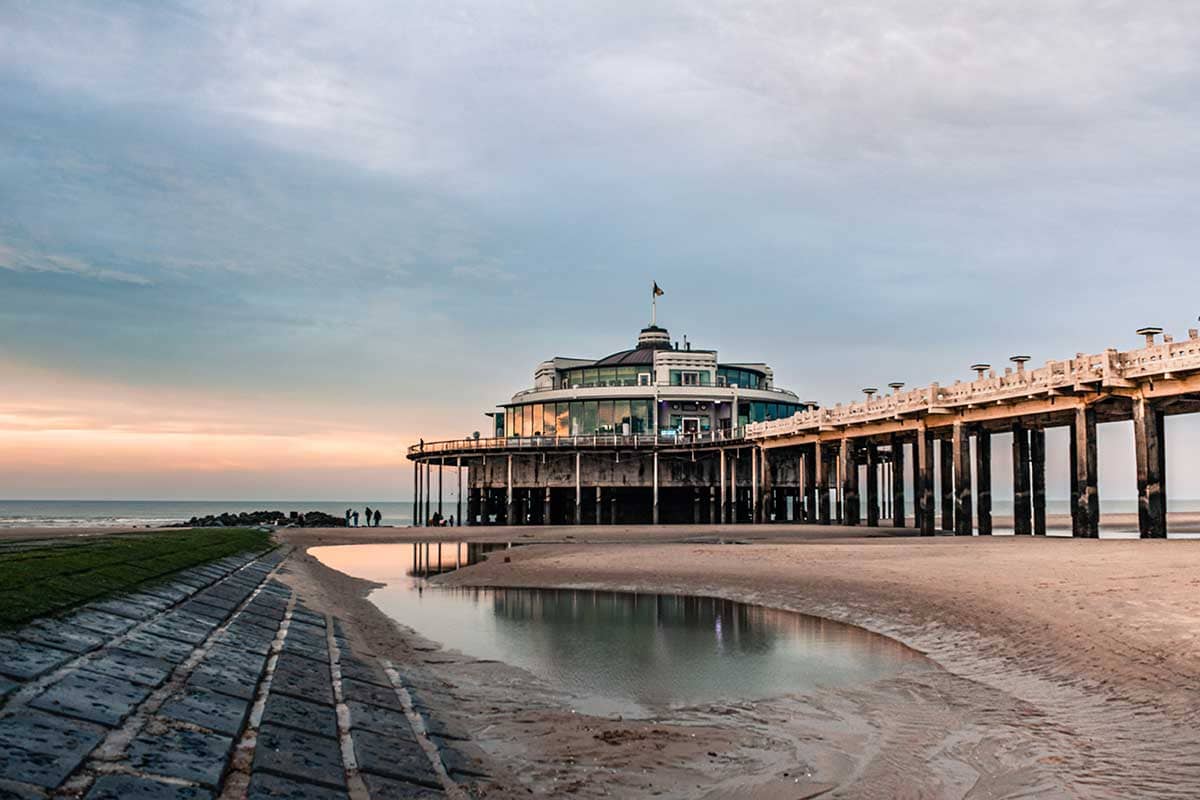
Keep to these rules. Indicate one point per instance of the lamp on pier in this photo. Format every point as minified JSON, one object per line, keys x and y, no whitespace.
{"x":1149,"y":333}
{"x":896,"y":386}
{"x":1020,"y":362}
{"x":870,"y":392}
{"x":981,"y":369}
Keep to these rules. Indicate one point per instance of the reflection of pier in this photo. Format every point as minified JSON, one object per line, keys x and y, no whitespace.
{"x":436,"y":558}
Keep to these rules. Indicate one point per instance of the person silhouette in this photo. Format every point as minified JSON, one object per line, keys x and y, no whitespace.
{"x":378,"y":516}
{"x":368,"y":516}
{"x":356,"y":519}
{"x":347,"y":518}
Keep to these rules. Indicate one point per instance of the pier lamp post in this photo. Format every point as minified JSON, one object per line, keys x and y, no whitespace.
{"x":1020,"y":362}
{"x":870,"y":392}
{"x":1149,"y":333}
{"x":896,"y":386}
{"x":981,"y":369}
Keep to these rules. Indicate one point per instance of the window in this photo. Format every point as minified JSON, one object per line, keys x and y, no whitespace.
{"x":621,"y":421}
{"x":576,"y":418}
{"x":590,"y":418}
{"x":562,"y":425}
{"x":691,"y":378}
{"x":605,"y":417}
{"x":644,"y":378}
{"x":639,"y":411}
{"x":548,"y":420}
{"x":527,"y":423}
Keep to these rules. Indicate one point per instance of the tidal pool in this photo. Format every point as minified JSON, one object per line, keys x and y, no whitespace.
{"x":620,"y":652}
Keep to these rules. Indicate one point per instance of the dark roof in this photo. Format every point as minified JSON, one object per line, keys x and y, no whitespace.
{"x":642,"y":355}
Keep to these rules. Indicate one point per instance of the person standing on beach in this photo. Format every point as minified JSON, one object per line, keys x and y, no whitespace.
{"x":347,"y":518}
{"x":356,"y":519}
{"x":368,"y":516}
{"x":378,"y":516}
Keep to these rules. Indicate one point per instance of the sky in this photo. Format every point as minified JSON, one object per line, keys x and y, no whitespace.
{"x":253,"y":250}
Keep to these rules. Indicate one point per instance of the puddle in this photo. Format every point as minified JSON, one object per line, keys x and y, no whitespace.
{"x":621,"y":652}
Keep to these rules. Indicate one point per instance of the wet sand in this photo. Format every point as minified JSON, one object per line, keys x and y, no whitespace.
{"x":1070,"y":666}
{"x":1067,"y":667}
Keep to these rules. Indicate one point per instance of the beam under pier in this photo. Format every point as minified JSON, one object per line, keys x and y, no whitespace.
{"x":983,"y":480}
{"x":1022,"y":505}
{"x":1148,"y":429}
{"x":852,"y":514}
{"x":962,"y":481}
{"x":924,"y":465}
{"x":1037,"y":454}
{"x":897,"y":482}
{"x":1087,"y":516}
{"x":946,"y":478}
{"x":822,"y":484}
{"x":872,"y":485}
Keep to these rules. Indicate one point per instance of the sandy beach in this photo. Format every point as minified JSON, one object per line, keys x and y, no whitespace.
{"x":1068,"y":667}
{"x":1061,"y":667}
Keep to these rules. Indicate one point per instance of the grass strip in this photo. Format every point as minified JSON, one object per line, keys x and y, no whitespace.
{"x":51,"y":579}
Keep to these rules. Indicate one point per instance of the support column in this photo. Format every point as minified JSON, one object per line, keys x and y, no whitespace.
{"x":983,"y":477}
{"x":458,"y":517}
{"x":768,"y":488}
{"x":428,"y":482}
{"x":724,"y":517}
{"x":1022,"y":505}
{"x":712,"y":505}
{"x":416,"y":518}
{"x":546,"y":507}
{"x":473,"y":506}
{"x":696,"y":505}
{"x":1037,"y":455}
{"x":946,"y":477}
{"x":821,"y":482}
{"x":733,"y":492}
{"x":872,"y":485}
{"x":1073,"y":468}
{"x":962,"y":481}
{"x":510,"y":518}
{"x":578,"y":491}
{"x":655,"y":487}
{"x":441,"y":474}
{"x":852,"y":514}
{"x":1087,"y":518}
{"x":600,"y":507}
{"x":754,"y":453}
{"x":897,"y":482}
{"x":925,"y":492}
{"x":1150,"y":448}
{"x":810,"y":484}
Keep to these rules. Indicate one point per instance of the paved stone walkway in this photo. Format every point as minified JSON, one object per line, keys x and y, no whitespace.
{"x":220,"y":683}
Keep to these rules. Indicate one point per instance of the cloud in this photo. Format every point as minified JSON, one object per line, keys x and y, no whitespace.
{"x":27,"y":261}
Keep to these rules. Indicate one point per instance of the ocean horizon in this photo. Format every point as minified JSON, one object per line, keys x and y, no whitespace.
{"x":396,"y":513}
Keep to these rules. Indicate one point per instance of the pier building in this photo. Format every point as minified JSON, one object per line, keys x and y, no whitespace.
{"x":678,"y":436}
{"x":646,"y":434}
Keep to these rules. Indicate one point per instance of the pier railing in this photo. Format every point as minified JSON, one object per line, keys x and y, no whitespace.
{"x":665,"y":439}
{"x":1112,"y":368}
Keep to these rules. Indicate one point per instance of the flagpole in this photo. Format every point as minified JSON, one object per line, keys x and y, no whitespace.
{"x":653,"y":307}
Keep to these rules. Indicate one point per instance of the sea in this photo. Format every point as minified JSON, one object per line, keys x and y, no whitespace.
{"x":157,"y":513}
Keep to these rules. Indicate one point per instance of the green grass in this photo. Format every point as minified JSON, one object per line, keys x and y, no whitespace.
{"x":50,"y":578}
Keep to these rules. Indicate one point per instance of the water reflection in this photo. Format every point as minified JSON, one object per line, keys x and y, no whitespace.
{"x":621,"y":652}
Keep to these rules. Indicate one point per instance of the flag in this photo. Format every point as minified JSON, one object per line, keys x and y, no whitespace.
{"x":657,"y":291}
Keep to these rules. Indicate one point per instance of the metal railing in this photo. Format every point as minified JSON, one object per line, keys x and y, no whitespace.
{"x":1112,"y":368}
{"x":665,"y":439}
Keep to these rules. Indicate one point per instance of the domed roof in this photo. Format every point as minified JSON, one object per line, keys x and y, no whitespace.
{"x":643,"y":355}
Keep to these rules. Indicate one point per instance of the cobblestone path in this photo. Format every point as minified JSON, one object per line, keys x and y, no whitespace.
{"x":220,"y":682}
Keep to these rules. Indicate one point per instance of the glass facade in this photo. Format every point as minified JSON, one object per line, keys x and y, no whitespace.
{"x":603,"y":376}
{"x":691,"y":377}
{"x":745,"y":379}
{"x":762,"y":412}
{"x":578,"y":417}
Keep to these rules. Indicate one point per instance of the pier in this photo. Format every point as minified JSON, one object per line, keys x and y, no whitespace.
{"x":847,"y":463}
